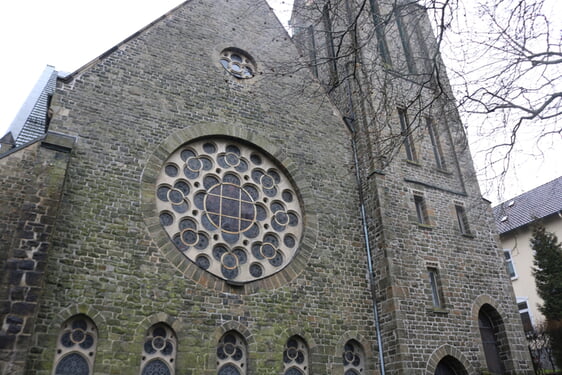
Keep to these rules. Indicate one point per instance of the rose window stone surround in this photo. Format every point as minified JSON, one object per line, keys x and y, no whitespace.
{"x":229,"y":209}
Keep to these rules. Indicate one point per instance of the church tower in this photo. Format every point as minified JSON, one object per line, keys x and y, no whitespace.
{"x":445,"y":303}
{"x":212,"y":197}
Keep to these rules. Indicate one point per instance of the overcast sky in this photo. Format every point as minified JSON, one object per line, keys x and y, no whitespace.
{"x":68,"y":34}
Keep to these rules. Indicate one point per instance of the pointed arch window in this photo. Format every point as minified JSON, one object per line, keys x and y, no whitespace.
{"x":491,"y":332}
{"x":295,"y":357}
{"x":231,"y":354}
{"x":76,"y":347}
{"x":450,"y":366}
{"x":159,"y":351}
{"x":353,"y":358}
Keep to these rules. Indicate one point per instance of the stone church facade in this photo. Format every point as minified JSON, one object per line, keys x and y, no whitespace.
{"x":199,"y":205}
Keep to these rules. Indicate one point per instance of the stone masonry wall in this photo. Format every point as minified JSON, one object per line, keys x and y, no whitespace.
{"x":416,"y":334}
{"x":161,"y":89}
{"x":110,"y":259}
{"x":32,"y":180}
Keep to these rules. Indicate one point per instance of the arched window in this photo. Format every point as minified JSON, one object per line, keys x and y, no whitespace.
{"x":159,"y":351}
{"x":76,"y":347}
{"x":353,"y":358}
{"x":450,"y":366}
{"x":491,"y":329}
{"x":295,"y":357}
{"x":231,"y":354}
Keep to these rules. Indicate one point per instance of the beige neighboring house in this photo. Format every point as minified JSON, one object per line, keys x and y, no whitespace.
{"x":515,"y":219}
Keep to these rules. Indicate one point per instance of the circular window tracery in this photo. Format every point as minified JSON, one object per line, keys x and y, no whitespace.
{"x":76,"y":346}
{"x":229,"y":209}
{"x":353,"y":358}
{"x":240,"y":65}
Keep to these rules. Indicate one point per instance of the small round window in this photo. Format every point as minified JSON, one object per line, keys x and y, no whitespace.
{"x":238,"y":63}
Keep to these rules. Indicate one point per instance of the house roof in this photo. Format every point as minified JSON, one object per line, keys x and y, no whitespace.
{"x":538,"y":203}
{"x":31,"y":121}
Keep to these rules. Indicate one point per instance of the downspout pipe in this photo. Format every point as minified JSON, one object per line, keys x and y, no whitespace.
{"x":349,"y":122}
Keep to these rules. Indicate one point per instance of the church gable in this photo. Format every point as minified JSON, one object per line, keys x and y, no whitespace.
{"x":210,"y":178}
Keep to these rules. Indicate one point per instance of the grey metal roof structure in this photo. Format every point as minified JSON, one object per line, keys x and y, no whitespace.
{"x":31,"y":121}
{"x":538,"y":203}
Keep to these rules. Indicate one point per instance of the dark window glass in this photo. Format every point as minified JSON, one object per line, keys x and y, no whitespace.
{"x":326,"y":17}
{"x":166,"y":219}
{"x":293,"y":371}
{"x":203,"y":262}
{"x":434,"y":282}
{"x":380,"y":33}
{"x":312,"y":51}
{"x":171,"y":170}
{"x":406,"y":133}
{"x":353,"y":358}
{"x":421,"y":210}
{"x":405,"y":39}
{"x":209,"y":148}
{"x":293,"y":219}
{"x":526,"y":320}
{"x":509,"y":264}
{"x":462,"y":219}
{"x":289,"y":241}
{"x":72,"y":364}
{"x":435,"y":144}
{"x":256,"y":270}
{"x":277,"y":260}
{"x":229,"y":370}
{"x":444,"y":369}
{"x":156,"y":367}
{"x":490,"y":343}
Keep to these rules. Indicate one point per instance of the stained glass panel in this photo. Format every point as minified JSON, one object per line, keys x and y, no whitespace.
{"x":227,"y":209}
{"x":72,"y":364}
{"x":156,"y":367}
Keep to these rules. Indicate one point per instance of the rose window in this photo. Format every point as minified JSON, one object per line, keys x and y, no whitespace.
{"x":229,"y":209}
{"x":237,"y":63}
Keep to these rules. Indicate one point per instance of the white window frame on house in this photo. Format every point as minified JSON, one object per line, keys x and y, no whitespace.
{"x":510,"y":264}
{"x":525,"y":310}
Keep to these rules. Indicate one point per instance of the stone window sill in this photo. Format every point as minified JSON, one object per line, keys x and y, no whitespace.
{"x":424,"y":226}
{"x":439,"y":310}
{"x":444,"y":171}
{"x":413,"y":162}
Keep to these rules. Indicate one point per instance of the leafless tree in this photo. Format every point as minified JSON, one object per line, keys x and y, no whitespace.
{"x":540,"y":349}
{"x":503,"y":57}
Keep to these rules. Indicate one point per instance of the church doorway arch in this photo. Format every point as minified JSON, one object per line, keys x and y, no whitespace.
{"x":491,"y":333}
{"x":450,"y":366}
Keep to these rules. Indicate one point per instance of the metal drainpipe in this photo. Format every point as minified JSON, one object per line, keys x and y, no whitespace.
{"x":349,"y":122}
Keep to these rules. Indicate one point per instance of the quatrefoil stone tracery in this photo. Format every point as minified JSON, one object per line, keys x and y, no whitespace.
{"x":229,"y":209}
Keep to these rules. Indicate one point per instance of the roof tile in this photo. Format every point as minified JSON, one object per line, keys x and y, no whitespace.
{"x":534,"y":204}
